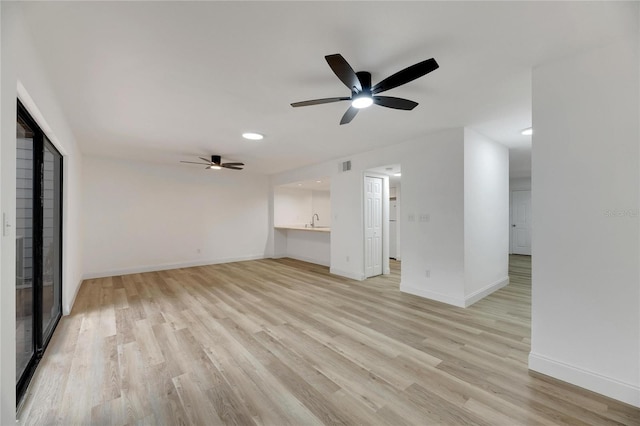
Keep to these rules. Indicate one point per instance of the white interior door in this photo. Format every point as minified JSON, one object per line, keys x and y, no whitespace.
{"x":372,"y":226}
{"x":521,"y":222}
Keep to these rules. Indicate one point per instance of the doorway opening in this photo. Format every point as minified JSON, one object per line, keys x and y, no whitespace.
{"x":388,"y":248}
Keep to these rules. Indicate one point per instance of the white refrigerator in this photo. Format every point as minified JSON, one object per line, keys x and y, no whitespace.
{"x":393,"y":231}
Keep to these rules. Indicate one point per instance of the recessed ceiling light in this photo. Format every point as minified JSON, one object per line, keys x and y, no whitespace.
{"x":528,"y":131}
{"x":318,"y":181}
{"x":362,"y":101}
{"x":397,"y":174}
{"x":252,"y":136}
{"x":299,"y":184}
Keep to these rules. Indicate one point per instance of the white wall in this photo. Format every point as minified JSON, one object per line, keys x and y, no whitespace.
{"x":585,"y":199}
{"x":23,"y":76}
{"x":143,"y":217}
{"x":308,"y":246}
{"x":486,"y":216}
{"x":433,"y":185}
{"x":347,"y":233}
{"x":321,"y":204}
{"x":433,"y":213}
{"x":292,"y":206}
{"x":5,"y":401}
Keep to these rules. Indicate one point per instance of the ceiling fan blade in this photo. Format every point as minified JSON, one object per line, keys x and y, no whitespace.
{"x":406,"y":75}
{"x":396,"y":103}
{"x":348,"y":116}
{"x":231,"y":167}
{"x":232,"y":164}
{"x":343,"y":70}
{"x":319,"y":101}
{"x":193,"y":162}
{"x":208,"y":160}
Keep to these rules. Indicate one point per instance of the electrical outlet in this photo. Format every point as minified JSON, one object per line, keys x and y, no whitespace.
{"x":411,"y":218}
{"x":347,"y":258}
{"x":424,"y":217}
{"x":198,"y":251}
{"x":428,"y":273}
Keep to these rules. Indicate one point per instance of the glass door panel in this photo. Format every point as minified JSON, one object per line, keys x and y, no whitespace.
{"x":51,"y":232}
{"x":24,"y":246}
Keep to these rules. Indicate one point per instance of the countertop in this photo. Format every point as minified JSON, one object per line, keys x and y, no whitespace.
{"x":302,"y":228}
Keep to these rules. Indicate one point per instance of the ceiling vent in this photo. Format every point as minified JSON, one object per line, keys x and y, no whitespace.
{"x":346,"y":166}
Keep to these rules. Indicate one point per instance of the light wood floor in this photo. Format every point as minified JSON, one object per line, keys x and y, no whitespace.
{"x":282,"y":342}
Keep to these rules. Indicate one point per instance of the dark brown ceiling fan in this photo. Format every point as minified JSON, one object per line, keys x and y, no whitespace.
{"x":363,"y":94}
{"x":216,"y":163}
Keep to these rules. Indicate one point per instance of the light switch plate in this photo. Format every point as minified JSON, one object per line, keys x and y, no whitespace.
{"x":5,"y":225}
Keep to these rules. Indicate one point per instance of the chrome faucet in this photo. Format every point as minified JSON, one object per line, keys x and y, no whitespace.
{"x":313,"y":222}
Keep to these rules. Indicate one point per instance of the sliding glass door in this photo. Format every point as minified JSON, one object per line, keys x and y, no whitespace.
{"x":51,"y":256}
{"x":38,"y":245}
{"x":24,"y":248}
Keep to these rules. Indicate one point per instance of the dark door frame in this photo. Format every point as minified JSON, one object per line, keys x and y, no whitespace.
{"x":39,"y":342}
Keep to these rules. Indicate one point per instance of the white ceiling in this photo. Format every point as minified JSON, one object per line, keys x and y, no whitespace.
{"x":320,"y":184}
{"x":169,"y":81}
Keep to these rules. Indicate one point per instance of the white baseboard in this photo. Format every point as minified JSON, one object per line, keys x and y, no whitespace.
{"x":613,"y":388}
{"x":455,"y":301}
{"x":485,"y":291}
{"x":66,"y":309}
{"x":167,"y":266}
{"x":353,"y":276}
{"x":428,"y":294}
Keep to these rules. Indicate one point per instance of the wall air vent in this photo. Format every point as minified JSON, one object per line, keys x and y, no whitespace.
{"x":346,"y":166}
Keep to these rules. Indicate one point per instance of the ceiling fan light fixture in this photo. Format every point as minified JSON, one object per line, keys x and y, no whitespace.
{"x":362,"y":101}
{"x":362,"y":92}
{"x":527,"y":132}
{"x":252,"y":136}
{"x":215,"y":163}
